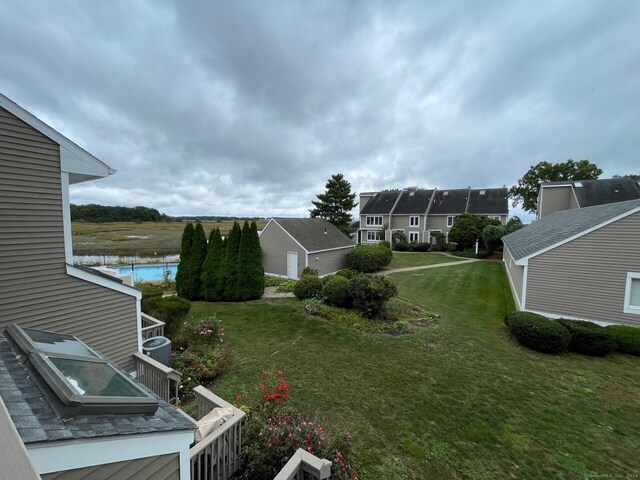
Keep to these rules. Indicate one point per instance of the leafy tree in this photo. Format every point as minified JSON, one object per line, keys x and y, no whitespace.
{"x":229,"y":265}
{"x":526,"y":190}
{"x":191,"y":283}
{"x":492,"y":234}
{"x":468,"y":228}
{"x":336,"y":203}
{"x":211,"y":268}
{"x":629,"y":176}
{"x":185,"y":250}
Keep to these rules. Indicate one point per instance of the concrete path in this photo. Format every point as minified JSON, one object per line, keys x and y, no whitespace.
{"x":425,"y":267}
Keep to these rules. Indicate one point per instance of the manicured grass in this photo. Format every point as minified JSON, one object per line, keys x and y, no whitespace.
{"x":457,"y":399}
{"x":415,"y":259}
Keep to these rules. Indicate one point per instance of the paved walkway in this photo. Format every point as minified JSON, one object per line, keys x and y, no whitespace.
{"x":425,"y":267}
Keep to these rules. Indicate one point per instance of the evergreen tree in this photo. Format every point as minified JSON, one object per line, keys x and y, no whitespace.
{"x":229,"y":266}
{"x":336,"y":203}
{"x":211,"y":268}
{"x":185,"y":250}
{"x":250,"y":271}
{"x":192,"y":284}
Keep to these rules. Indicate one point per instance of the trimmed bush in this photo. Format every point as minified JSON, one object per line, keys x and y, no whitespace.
{"x":589,"y":338}
{"x":369,"y":258}
{"x":370,"y":292}
{"x":287,"y":286}
{"x":384,"y":243}
{"x":402,"y":247}
{"x":348,"y":273}
{"x":150,"y":291}
{"x":307,"y":287}
{"x":538,"y":332}
{"x":310,"y":271}
{"x":628,"y":339}
{"x":336,"y":291}
{"x":420,"y":247}
{"x":170,"y":310}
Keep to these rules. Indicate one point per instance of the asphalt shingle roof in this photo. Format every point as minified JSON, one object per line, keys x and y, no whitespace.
{"x":381,"y":203}
{"x":413,"y":202}
{"x":36,"y":420}
{"x":612,"y":190}
{"x":489,"y":200}
{"x":314,"y":233}
{"x":449,"y":201}
{"x":562,"y":225}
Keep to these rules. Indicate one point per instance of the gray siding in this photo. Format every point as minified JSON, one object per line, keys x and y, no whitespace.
{"x":329,"y":262}
{"x":586,"y":277}
{"x":515,"y":274}
{"x":438,"y":222}
{"x":163,"y":467}
{"x":556,"y":198}
{"x":35,"y":290}
{"x":381,"y":228}
{"x":275,"y":243}
{"x":403,"y":222}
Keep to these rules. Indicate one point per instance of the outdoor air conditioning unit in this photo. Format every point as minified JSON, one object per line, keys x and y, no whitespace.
{"x":158,"y":348}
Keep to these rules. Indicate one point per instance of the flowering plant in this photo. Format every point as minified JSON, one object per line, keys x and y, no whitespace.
{"x":207,"y":330}
{"x":274,"y":388}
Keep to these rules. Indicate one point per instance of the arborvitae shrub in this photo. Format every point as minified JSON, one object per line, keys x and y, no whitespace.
{"x":589,"y":338}
{"x":336,"y":291}
{"x":369,"y":293}
{"x":192,"y":285}
{"x":538,"y":332}
{"x":185,"y":251}
{"x":250,"y":272}
{"x":628,"y":338}
{"x":211,"y":268}
{"x":307,"y":287}
{"x":229,"y":265}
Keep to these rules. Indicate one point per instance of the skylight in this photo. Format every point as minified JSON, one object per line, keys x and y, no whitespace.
{"x":83,"y":382}
{"x":577,"y":184}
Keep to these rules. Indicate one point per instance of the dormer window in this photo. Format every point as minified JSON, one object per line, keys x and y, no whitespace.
{"x":82,"y":381}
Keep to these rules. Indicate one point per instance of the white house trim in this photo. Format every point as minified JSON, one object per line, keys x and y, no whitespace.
{"x":68,"y":455}
{"x":285,"y":231}
{"x":525,"y":274}
{"x":66,"y":219}
{"x":556,"y":316}
{"x":514,"y":290}
{"x":74,"y":159}
{"x":103,"y":282}
{"x":524,"y":260}
{"x":331,"y":249}
{"x":628,"y":308}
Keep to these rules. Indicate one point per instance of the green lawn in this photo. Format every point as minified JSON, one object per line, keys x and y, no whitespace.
{"x":457,"y":399}
{"x":415,"y":259}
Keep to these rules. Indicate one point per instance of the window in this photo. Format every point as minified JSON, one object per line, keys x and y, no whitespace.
{"x":414,"y":236}
{"x":414,"y":221}
{"x":374,"y":236}
{"x":83,"y":381}
{"x":451,"y":219}
{"x":374,"y":221}
{"x":632,"y":293}
{"x":493,"y":217}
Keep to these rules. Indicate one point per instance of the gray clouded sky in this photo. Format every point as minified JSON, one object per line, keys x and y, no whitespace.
{"x":247,"y":108}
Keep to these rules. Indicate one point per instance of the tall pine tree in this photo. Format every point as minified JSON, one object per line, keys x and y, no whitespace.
{"x":211,"y":268}
{"x":336,"y":203}
{"x":185,"y":250}
{"x":192,"y":284}
{"x":229,"y":265}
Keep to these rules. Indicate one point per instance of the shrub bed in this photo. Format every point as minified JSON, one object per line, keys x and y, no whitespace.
{"x":270,"y":281}
{"x":307,"y":287}
{"x":336,"y":291}
{"x":627,"y":338}
{"x":369,"y":258}
{"x":412,"y":247}
{"x":170,"y":310}
{"x":287,"y":286}
{"x":589,"y":338}
{"x":538,"y":332}
{"x":370,"y":292}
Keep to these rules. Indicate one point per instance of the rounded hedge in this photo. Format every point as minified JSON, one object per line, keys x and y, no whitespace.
{"x":627,"y":338}
{"x":538,"y":332}
{"x":307,"y":287}
{"x":369,"y":258}
{"x":348,"y":273}
{"x":589,"y":338}
{"x":336,"y":291}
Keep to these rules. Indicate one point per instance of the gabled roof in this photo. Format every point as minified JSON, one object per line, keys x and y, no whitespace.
{"x":381,"y":203}
{"x":489,"y":200}
{"x":562,"y":226}
{"x":413,"y":202}
{"x":76,"y":161}
{"x":598,"y":192}
{"x":449,"y":201}
{"x":314,"y":234}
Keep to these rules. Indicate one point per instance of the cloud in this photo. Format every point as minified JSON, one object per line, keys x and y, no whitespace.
{"x":248,"y":108}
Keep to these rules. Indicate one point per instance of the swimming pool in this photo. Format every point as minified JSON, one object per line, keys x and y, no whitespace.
{"x":149,"y":272}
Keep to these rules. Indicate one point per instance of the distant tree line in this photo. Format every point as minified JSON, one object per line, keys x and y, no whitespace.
{"x":101,"y":213}
{"x":220,"y":270}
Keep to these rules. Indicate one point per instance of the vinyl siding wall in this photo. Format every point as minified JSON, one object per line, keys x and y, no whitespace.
{"x":329,"y":262}
{"x":586,"y":277}
{"x":35,"y":290}
{"x":365,"y":228}
{"x":402,"y":222}
{"x":438,"y":222}
{"x":515,"y":274}
{"x":555,"y":199}
{"x":163,"y":467}
{"x":275,"y":243}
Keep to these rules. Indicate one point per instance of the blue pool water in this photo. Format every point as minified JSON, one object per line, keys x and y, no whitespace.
{"x":149,"y":272}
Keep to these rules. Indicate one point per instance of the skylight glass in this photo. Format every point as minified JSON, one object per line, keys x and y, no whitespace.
{"x":51,"y":342}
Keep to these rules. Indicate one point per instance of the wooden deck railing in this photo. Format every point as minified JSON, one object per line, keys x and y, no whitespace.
{"x":303,"y":465}
{"x":160,"y":379}
{"x":151,"y":327}
{"x":217,"y":456}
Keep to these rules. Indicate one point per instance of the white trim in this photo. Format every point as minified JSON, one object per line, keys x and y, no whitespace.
{"x":73,"y":158}
{"x":68,"y":455}
{"x":524,"y":260}
{"x":525,"y":274}
{"x":285,"y":231}
{"x":374,"y":241}
{"x":573,"y":190}
{"x":556,"y":316}
{"x":414,"y":233}
{"x":66,"y":219}
{"x":265,"y":228}
{"x":411,"y":217}
{"x":367,"y":224}
{"x":277,"y":275}
{"x":514,"y":290}
{"x":297,"y":260}
{"x":453,"y":221}
{"x":103,"y":282}
{"x":331,"y":249}
{"x":628,"y":308}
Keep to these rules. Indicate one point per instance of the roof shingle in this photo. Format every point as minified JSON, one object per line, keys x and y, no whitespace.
{"x":314,"y":234}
